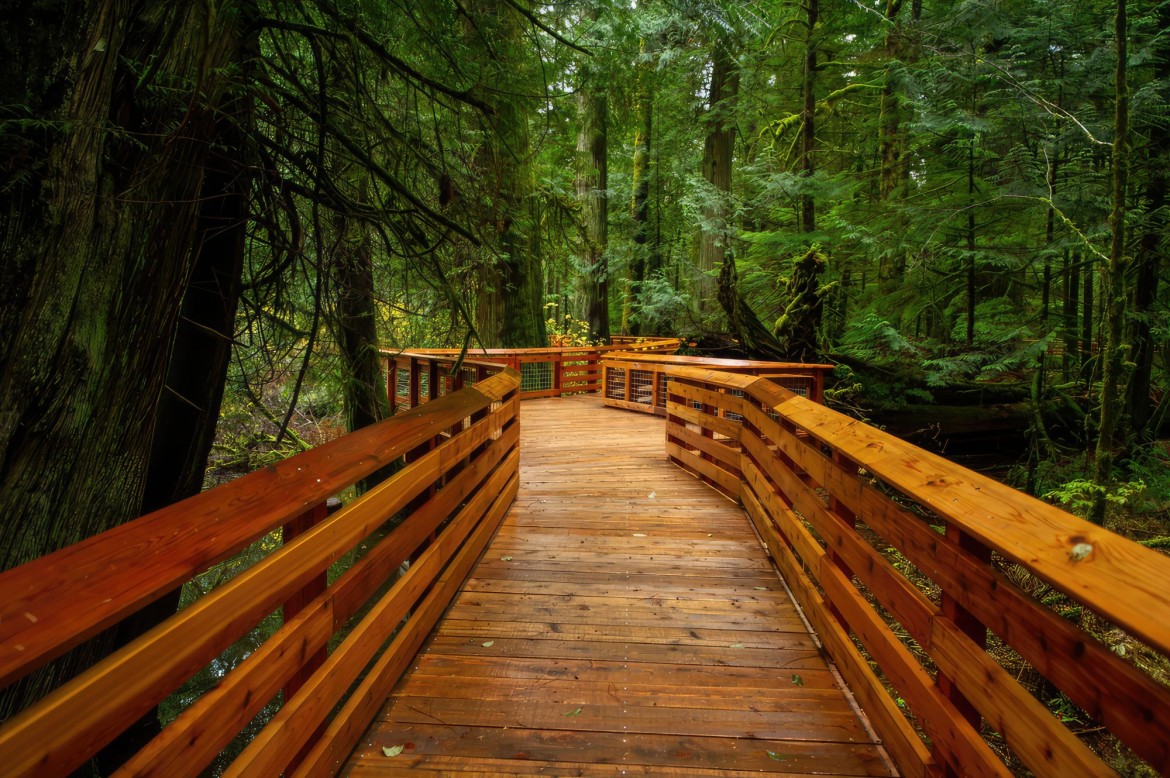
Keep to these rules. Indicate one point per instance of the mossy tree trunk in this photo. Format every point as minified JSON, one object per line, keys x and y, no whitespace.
{"x":592,"y":191}
{"x":1113,"y":351}
{"x":509,"y":308}
{"x":1151,"y":246}
{"x":718,"y":147}
{"x":129,"y":202}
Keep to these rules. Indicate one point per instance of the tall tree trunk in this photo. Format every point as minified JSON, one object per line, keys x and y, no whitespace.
{"x":892,"y":144}
{"x":718,"y":147}
{"x":103,"y":257}
{"x":363,"y":377}
{"x":509,"y":311}
{"x":1113,"y":371}
{"x":797,"y":328}
{"x":1153,"y":237}
{"x":592,"y":184}
{"x":642,"y":263}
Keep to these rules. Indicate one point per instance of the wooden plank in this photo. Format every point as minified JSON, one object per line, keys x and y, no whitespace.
{"x":558,"y":642}
{"x":1040,"y":739}
{"x":908,"y":751}
{"x":727,"y":482}
{"x":727,"y":456}
{"x":702,"y":753}
{"x":936,"y":714}
{"x":904,"y":600}
{"x":717,"y":424}
{"x":796,"y":723}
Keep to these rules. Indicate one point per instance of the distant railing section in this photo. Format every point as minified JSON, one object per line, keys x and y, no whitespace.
{"x":943,"y":576}
{"x":417,"y":376}
{"x":638,"y":382}
{"x":460,"y":473}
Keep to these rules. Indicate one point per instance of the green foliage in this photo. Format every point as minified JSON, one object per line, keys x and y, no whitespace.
{"x":1078,"y":495}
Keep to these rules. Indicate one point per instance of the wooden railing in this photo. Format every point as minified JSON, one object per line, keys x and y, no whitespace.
{"x":638,"y":382}
{"x":460,"y":475}
{"x":938,"y":574}
{"x":414,"y":377}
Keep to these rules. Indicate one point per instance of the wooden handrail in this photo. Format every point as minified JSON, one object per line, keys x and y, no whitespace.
{"x":637,"y":381}
{"x":420,"y":375}
{"x":831,"y":497}
{"x":454,"y":494}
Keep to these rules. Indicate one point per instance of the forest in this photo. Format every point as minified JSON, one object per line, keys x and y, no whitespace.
{"x":216,"y":216}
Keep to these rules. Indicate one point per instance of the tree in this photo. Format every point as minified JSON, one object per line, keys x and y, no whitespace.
{"x":509,"y":308}
{"x":592,"y":188}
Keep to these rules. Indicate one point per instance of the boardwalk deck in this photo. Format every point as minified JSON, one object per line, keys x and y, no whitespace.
{"x":624,"y":621}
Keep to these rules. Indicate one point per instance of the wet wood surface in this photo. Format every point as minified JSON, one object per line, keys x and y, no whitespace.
{"x":625,"y":620}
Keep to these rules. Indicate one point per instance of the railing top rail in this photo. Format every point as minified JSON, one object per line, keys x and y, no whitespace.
{"x":54,"y":603}
{"x":550,"y":350}
{"x":716,"y":362}
{"x":1118,"y":578}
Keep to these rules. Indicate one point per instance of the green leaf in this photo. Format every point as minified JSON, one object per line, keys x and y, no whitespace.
{"x":761,"y":588}
{"x":774,"y":755}
{"x":797,"y":680}
{"x":505,"y":559}
{"x":736,"y":645}
{"x":576,"y":712}
{"x":394,"y":751}
{"x":491,"y":643}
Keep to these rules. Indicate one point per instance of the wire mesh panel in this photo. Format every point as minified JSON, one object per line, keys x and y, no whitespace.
{"x":615,"y":383}
{"x":402,"y":384}
{"x":424,"y":385}
{"x":642,"y":386}
{"x":536,"y":376}
{"x":663,"y":381}
{"x":797,"y":384}
{"x":729,"y":414}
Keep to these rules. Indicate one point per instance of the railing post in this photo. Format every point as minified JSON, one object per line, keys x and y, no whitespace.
{"x":412,"y":383}
{"x":973,"y":628}
{"x":433,"y":379}
{"x":558,"y":376}
{"x":299,"y":599}
{"x":392,"y":384}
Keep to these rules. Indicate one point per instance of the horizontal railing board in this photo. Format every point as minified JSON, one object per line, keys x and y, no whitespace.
{"x":189,"y":743}
{"x":56,"y":602}
{"x":53,"y":734}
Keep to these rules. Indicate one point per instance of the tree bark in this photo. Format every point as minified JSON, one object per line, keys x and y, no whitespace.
{"x":892,"y":142}
{"x":1149,"y":253}
{"x":1113,"y":371}
{"x":646,"y":259}
{"x":592,"y":193}
{"x":718,"y":146}
{"x":104,"y":259}
{"x":509,"y":311}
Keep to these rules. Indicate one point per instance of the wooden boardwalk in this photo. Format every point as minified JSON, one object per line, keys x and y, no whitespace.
{"x":624,"y":621}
